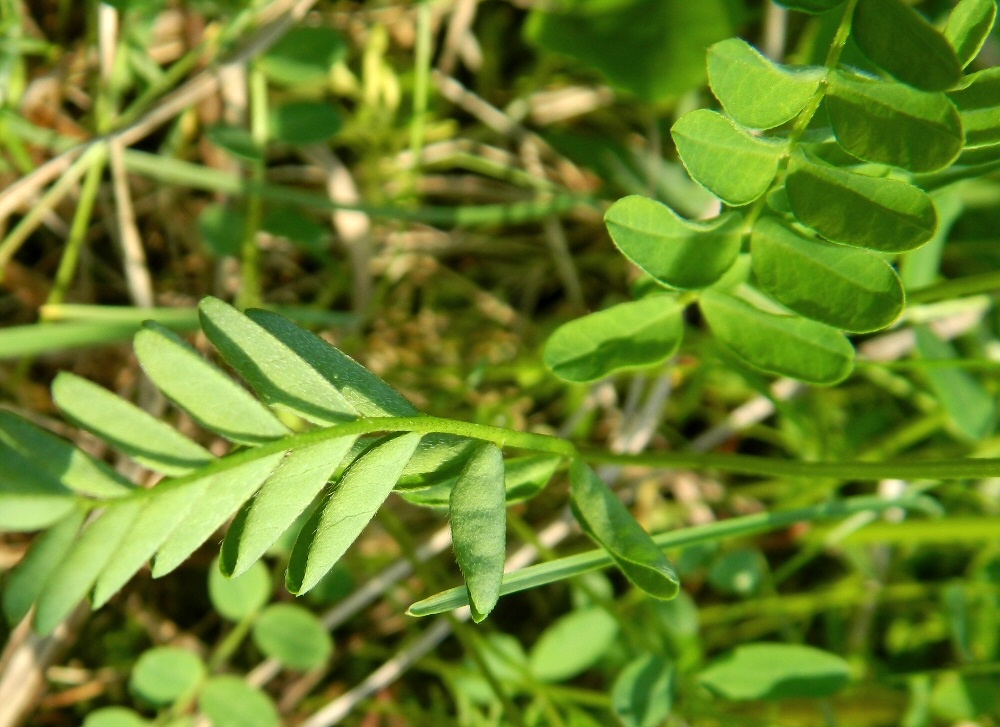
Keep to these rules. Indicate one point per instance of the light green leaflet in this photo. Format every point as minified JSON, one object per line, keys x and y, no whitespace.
{"x":303,"y":55}
{"x":30,"y":499}
{"x":478,"y":513}
{"x":775,"y":671}
{"x":844,"y":287}
{"x":756,"y":91}
{"x":572,"y":644}
{"x":165,"y":674}
{"x":813,"y":7}
{"x":969,"y":26}
{"x":896,"y":37}
{"x":608,"y":522}
{"x":628,"y":335}
{"x":730,"y":163}
{"x":147,"y":440}
{"x":281,"y":499}
{"x":891,"y":123}
{"x":676,"y":252}
{"x":228,"y":701}
{"x":978,"y":101}
{"x":293,"y":635}
{"x":279,"y":376}
{"x":299,"y":123}
{"x":348,"y":508}
{"x":778,"y":344}
{"x":213,"y":399}
{"x":855,"y":209}
{"x":643,"y":692}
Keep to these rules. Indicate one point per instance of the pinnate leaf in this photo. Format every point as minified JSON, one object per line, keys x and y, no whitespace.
{"x":478,"y":513}
{"x":628,"y":335}
{"x":679,"y":253}
{"x":756,"y":91}
{"x":608,"y":522}
{"x":730,"y":163}
{"x":347,"y":509}
{"x":855,"y":209}
{"x":896,"y":37}
{"x":844,"y":287}
{"x":969,"y":26}
{"x":779,"y":344}
{"x":891,"y":123}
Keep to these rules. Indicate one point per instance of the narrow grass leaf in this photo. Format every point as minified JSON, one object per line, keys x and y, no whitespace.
{"x":366,"y":392}
{"x":680,"y":253}
{"x":572,"y":644}
{"x":304,"y":122}
{"x":844,"y":287}
{"x":896,"y":37}
{"x":241,"y":597}
{"x":281,"y":499}
{"x":643,"y":693}
{"x":969,"y":405}
{"x":213,"y":399}
{"x":293,"y":635}
{"x":277,"y":373}
{"x":223,"y":495}
{"x":228,"y":701}
{"x":978,"y":100}
{"x":165,"y":674}
{"x":730,"y":163}
{"x":969,"y":26}
{"x":348,"y":508}
{"x":61,"y":460}
{"x":75,"y":575}
{"x":775,"y":671}
{"x":629,"y":335}
{"x":26,"y":581}
{"x":478,"y":515}
{"x":608,"y":522}
{"x":144,"y":438}
{"x":756,"y":91}
{"x":855,"y":209}
{"x":891,"y":123}
{"x":778,"y":344}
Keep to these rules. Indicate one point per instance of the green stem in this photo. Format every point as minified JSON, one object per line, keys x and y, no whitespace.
{"x":78,"y":232}
{"x":250,"y":294}
{"x":421,"y":78}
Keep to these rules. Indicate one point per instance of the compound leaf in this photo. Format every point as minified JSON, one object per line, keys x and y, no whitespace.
{"x":855,"y":209}
{"x":778,"y":344}
{"x":969,"y":26}
{"x":628,"y":335}
{"x":891,"y":123}
{"x":608,"y":522}
{"x":844,"y":287}
{"x":679,"y":253}
{"x":147,"y":440}
{"x":279,"y":375}
{"x":213,"y":399}
{"x":896,"y":37}
{"x":730,"y":163}
{"x":347,"y":509}
{"x":478,"y":512}
{"x":281,"y":499}
{"x":756,"y":91}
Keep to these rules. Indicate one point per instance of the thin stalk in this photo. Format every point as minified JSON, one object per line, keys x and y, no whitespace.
{"x":78,"y":232}
{"x":421,"y":79}
{"x":250,"y":294}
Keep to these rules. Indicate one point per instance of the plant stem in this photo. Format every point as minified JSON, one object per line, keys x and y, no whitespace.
{"x":78,"y":232}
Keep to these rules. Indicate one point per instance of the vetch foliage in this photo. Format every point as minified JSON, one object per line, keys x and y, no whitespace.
{"x":823,"y":172}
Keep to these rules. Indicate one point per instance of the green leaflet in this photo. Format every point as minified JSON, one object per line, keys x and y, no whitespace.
{"x":281,"y":499}
{"x":813,"y":7}
{"x":304,"y":122}
{"x":61,"y":460}
{"x":303,"y":55}
{"x":628,"y":335}
{"x":730,"y":163}
{"x":30,"y":497}
{"x":978,"y":100}
{"x":778,"y":344}
{"x":896,"y":37}
{"x":227,"y":491}
{"x":76,"y":573}
{"x":165,"y":674}
{"x":841,"y":286}
{"x":775,"y":671}
{"x":756,"y":91}
{"x":147,"y":440}
{"x":213,"y":399}
{"x":277,"y":373}
{"x":293,"y":635}
{"x":478,"y":516}
{"x":347,"y":509}
{"x":890,"y":123}
{"x":855,"y":209}
{"x":572,"y":644}
{"x":29,"y":577}
{"x":241,"y":597}
{"x":608,"y":522}
{"x":969,"y":26}
{"x":228,"y":701}
{"x":367,"y":393}
{"x":524,"y":477}
{"x":642,"y":695}
{"x":680,"y":253}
